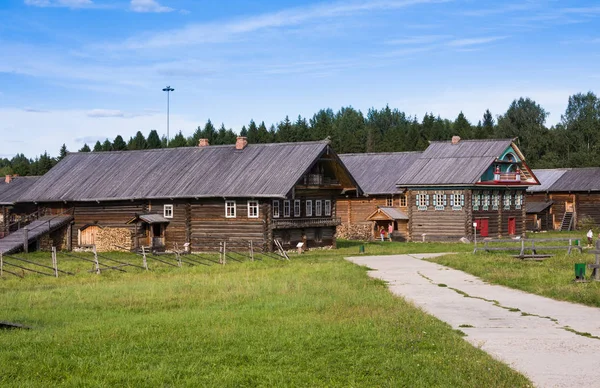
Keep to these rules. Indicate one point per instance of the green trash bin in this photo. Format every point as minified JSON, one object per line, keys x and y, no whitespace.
{"x":580,"y":271}
{"x":361,"y":249}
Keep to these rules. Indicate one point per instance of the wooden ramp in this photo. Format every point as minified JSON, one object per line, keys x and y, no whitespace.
{"x":44,"y":225}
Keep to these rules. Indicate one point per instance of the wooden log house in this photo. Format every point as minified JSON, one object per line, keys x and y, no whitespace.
{"x":165,"y":198}
{"x":567,"y":197}
{"x":13,"y":213}
{"x":454,"y":184}
{"x":383,"y":203}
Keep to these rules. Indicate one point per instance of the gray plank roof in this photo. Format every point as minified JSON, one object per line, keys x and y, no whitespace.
{"x":444,"y":163}
{"x":547,"y":177}
{"x":394,"y":213}
{"x":537,"y":207}
{"x":377,"y":173}
{"x":578,"y":179}
{"x":11,"y":192}
{"x":259,"y":170}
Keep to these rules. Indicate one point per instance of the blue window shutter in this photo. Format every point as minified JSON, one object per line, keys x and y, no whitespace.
{"x":417,"y":199}
{"x":444,"y":199}
{"x":462,"y":200}
{"x":451,"y":199}
{"x":426,"y":199}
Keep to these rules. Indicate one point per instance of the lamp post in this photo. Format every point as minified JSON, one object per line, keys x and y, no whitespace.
{"x":168,"y":89}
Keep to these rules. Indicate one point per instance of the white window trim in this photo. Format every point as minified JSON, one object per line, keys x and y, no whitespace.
{"x":232,"y":205}
{"x":297,"y":206}
{"x":276,"y":208}
{"x":287,"y":208}
{"x":402,"y":201}
{"x":318,"y":208}
{"x":168,"y":211}
{"x":308,"y":208}
{"x":389,"y":201}
{"x":328,"y":207}
{"x":255,"y":206}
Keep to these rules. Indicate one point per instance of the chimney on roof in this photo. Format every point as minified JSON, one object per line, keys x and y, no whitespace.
{"x":455,"y":139}
{"x":203,"y":143}
{"x":241,"y":143}
{"x":8,"y":179}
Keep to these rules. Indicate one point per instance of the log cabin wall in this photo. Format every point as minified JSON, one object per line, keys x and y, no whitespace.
{"x":587,"y":205}
{"x":209,"y":224}
{"x":176,"y":232}
{"x":557,"y":211}
{"x":498,"y":207}
{"x":444,"y":224}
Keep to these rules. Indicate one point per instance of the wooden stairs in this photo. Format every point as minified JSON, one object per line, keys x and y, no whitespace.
{"x":567,"y":222}
{"x":15,"y":241}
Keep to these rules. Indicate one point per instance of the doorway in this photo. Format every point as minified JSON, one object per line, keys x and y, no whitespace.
{"x":482,"y":227}
{"x":512,"y":226}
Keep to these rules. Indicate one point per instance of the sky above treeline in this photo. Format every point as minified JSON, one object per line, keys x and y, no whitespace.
{"x":78,"y":71}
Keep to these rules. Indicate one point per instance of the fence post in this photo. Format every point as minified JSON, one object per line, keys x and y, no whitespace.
{"x":25,"y":239}
{"x":522,"y":247}
{"x":1,"y":265}
{"x":220,"y":252}
{"x":251,"y":251}
{"x":96,"y":261}
{"x":178,"y":258}
{"x":145,"y":262}
{"x":570,"y":245}
{"x":224,"y":252}
{"x":54,"y":261}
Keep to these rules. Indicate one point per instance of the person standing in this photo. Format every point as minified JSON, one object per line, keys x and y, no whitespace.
{"x":590,"y":237}
{"x":382,"y":232}
{"x":390,"y":230}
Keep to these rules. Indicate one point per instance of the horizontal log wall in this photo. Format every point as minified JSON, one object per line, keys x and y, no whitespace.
{"x":176,"y":231}
{"x":437,"y":225}
{"x":588,"y":206}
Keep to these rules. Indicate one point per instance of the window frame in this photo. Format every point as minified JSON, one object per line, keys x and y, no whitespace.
{"x":168,"y":210}
{"x":327,"y":207}
{"x":402,"y":200}
{"x":287,"y":208}
{"x":318,"y":208}
{"x":389,"y":202}
{"x":230,"y":204}
{"x":308,"y":208}
{"x":255,"y":208}
{"x":298,"y":207}
{"x":276,"y":208}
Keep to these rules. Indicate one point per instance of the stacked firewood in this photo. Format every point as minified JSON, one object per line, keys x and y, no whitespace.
{"x":355,"y":232}
{"x":113,"y":239}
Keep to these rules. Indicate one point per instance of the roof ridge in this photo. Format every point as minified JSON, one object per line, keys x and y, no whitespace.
{"x":382,"y":153}
{"x":470,"y":140}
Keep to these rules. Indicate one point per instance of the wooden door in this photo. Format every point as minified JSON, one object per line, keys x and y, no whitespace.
{"x":482,"y":227}
{"x":512,"y":226}
{"x":87,"y":236}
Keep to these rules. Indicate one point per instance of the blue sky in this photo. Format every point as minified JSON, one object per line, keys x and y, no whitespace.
{"x":75,"y":71}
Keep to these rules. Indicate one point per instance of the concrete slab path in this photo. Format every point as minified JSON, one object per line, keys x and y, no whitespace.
{"x":540,"y":337}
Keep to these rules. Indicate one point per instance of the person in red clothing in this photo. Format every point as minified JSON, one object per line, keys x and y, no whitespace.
{"x":390,"y":230}
{"x":382,"y":232}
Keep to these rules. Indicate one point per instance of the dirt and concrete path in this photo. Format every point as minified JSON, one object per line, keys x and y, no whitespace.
{"x":555,"y":344}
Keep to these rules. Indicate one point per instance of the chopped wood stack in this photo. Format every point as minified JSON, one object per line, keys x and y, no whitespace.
{"x":113,"y":239}
{"x":355,"y":231}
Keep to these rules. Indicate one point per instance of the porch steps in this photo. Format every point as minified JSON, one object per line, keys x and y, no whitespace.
{"x":44,"y":225}
{"x":567,"y":221}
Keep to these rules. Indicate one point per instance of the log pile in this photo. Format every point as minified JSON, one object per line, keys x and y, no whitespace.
{"x":362,"y":232}
{"x":113,"y":239}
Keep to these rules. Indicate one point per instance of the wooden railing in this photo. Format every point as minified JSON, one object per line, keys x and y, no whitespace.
{"x":287,"y":223}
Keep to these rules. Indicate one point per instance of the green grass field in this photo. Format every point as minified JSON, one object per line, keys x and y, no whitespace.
{"x":316,"y":320}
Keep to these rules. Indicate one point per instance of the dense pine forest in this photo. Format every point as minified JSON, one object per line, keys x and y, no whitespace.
{"x":573,"y":142}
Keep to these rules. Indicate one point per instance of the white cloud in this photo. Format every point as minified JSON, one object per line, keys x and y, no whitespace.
{"x":225,"y":31}
{"x":474,"y":41}
{"x":105,"y":113}
{"x":60,"y":3}
{"x":148,"y":6}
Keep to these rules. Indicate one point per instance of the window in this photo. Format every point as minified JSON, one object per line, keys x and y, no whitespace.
{"x":403,"y":200}
{"x":309,"y":208}
{"x":275,"y":209}
{"x":318,"y":208}
{"x":389,"y":201}
{"x":230,"y":209}
{"x":507,"y":200}
{"x":495,"y":200}
{"x":422,"y":201}
{"x":327,"y":207}
{"x":253,"y":209}
{"x":439,"y":201}
{"x":476,"y":200}
{"x":286,"y":208}
{"x":297,"y":208}
{"x":485,"y":203}
{"x":518,"y":201}
{"x":457,"y":201}
{"x":168,"y":211}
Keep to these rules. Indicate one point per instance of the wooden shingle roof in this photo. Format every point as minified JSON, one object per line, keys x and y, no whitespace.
{"x":444,"y":163}
{"x":585,"y":179}
{"x":547,"y":178}
{"x":11,"y":192}
{"x":377,"y":173}
{"x":259,"y":170}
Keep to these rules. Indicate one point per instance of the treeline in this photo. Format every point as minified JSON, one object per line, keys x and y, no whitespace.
{"x":573,"y":142}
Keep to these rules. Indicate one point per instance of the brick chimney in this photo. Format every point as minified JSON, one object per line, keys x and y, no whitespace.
{"x":455,"y":139}
{"x":8,"y":179}
{"x":241,"y":143}
{"x":203,"y":143}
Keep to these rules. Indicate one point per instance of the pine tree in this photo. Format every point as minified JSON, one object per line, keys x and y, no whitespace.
{"x":153,"y":140}
{"x":63,"y":152}
{"x":138,"y":142}
{"x":263,"y":135}
{"x":98,"y":146}
{"x":178,"y":141}
{"x":119,"y":144}
{"x":85,"y":148}
{"x":107,"y":145}
{"x":252,"y":133}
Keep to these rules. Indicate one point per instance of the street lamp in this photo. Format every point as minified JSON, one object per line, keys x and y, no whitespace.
{"x":168,"y":89}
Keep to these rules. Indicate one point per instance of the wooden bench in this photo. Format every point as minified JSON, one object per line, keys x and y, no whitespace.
{"x":523,"y":245}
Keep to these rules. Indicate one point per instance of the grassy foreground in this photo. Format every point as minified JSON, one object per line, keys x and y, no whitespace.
{"x":314,"y":321}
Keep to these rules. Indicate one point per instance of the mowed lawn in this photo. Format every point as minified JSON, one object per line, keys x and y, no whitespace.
{"x":553,"y":277}
{"x":315,"y":321}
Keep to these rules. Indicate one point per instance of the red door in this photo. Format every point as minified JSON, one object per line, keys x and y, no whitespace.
{"x":482,"y":226}
{"x":512,"y":226}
